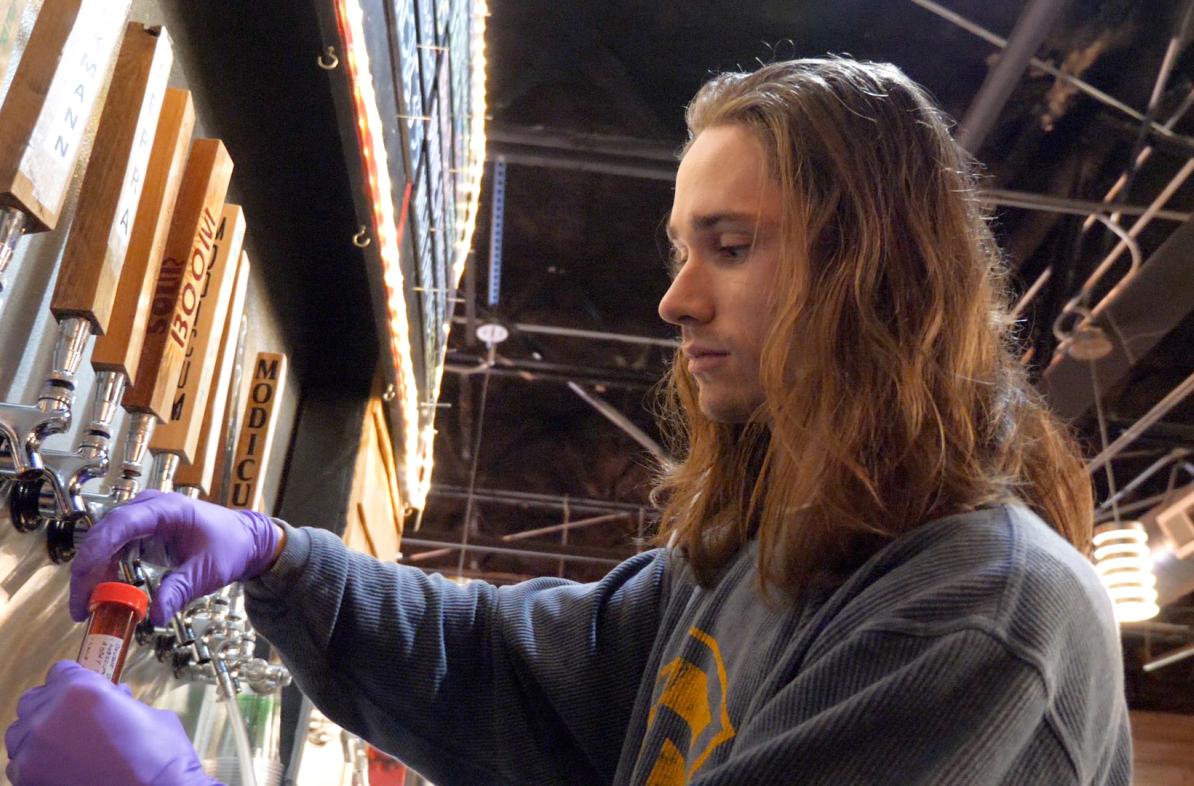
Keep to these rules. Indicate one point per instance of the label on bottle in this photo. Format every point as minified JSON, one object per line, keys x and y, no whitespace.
{"x":101,"y":653}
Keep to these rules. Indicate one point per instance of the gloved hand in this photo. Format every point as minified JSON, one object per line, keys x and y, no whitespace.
{"x":208,"y":547}
{"x":80,"y":728}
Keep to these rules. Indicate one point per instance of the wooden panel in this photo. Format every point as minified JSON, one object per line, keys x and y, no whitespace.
{"x":119,"y":349}
{"x":179,"y":434}
{"x":180,"y":280}
{"x":50,"y":101}
{"x":1163,"y":749}
{"x":200,"y":472}
{"x":257,"y":430}
{"x":103,"y":223}
{"x":375,"y":512}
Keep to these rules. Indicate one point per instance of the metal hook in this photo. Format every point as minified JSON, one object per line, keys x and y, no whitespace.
{"x":361,"y":239}
{"x":329,"y":61}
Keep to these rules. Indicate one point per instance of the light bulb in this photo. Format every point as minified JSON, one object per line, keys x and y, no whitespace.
{"x":1124,"y":564}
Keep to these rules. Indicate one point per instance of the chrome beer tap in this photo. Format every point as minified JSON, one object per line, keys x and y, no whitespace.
{"x":95,"y":253}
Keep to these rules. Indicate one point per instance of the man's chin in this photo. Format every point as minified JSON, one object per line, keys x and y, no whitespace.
{"x":726,"y":412}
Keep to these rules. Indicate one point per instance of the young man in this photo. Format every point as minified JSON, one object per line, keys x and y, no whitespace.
{"x":872,"y":571}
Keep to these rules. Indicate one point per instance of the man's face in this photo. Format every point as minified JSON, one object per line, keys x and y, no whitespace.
{"x":723,"y":228}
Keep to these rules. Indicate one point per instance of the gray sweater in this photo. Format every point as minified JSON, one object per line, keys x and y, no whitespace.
{"x":979,"y":649}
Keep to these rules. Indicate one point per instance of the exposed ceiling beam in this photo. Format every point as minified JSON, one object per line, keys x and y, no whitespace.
{"x":596,"y":335}
{"x":1035,"y":22}
{"x":488,"y":545}
{"x":1072,"y":207}
{"x":601,"y":144}
{"x":612,"y":414}
{"x":1159,"y":410}
{"x":564,"y":526}
{"x":601,"y":164}
{"x":1036,"y":62}
{"x":1155,"y":301}
{"x":537,"y":500}
{"x":630,"y":164}
{"x":539,"y":370}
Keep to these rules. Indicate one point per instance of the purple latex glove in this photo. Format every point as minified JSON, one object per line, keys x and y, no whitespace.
{"x":207,"y":546}
{"x":80,"y":728}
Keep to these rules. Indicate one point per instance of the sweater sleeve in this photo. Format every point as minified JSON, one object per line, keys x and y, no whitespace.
{"x":531,"y":683}
{"x":904,"y":706}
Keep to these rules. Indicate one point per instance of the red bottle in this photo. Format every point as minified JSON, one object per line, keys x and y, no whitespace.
{"x":116,"y":610}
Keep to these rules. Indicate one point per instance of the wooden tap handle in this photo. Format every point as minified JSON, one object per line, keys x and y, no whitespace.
{"x":200,"y":471}
{"x":119,"y":348}
{"x":257,"y":431}
{"x":103,"y":223}
{"x":49,"y":103}
{"x":180,"y":280}
{"x":179,"y":434}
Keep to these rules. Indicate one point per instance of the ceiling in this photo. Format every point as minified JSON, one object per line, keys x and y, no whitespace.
{"x":585,"y":89}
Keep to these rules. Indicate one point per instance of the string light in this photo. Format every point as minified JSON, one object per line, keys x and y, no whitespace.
{"x":417,"y":436}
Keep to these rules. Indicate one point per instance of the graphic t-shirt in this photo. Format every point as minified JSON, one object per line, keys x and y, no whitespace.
{"x":979,"y":649}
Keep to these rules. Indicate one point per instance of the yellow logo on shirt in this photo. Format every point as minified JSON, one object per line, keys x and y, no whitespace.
{"x":697,"y":695}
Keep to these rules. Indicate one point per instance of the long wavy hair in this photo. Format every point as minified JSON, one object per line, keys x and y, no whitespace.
{"x":892,"y":397}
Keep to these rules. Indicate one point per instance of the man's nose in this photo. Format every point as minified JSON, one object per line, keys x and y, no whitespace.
{"x":689,"y":299}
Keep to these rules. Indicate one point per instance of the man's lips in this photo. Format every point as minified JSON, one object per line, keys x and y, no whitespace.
{"x":701,"y":359}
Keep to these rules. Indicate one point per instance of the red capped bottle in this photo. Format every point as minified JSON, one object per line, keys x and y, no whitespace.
{"x":116,"y":610}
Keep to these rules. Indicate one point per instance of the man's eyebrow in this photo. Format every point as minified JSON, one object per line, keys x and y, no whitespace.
{"x":715,"y":220}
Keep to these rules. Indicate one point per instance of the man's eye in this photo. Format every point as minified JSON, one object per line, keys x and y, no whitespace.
{"x":675,"y":261}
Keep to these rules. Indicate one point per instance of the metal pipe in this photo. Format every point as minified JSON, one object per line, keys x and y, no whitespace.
{"x":1075,"y":304}
{"x":552,"y":555}
{"x":548,"y":376}
{"x":581,"y":162}
{"x":1176,"y":43}
{"x":612,"y":414}
{"x":1170,"y":657}
{"x":1049,"y":68}
{"x":422,"y":555}
{"x":1159,"y":628}
{"x":1149,"y":471}
{"x":1143,"y":156}
{"x":619,"y":146}
{"x":1072,"y":207}
{"x":596,"y":335}
{"x":1035,"y":22}
{"x":552,"y":501}
{"x":565,"y":526}
{"x":1125,"y":244}
{"x":608,"y":376}
{"x":1131,"y":507}
{"x":467,"y":371}
{"x":1171,"y":400}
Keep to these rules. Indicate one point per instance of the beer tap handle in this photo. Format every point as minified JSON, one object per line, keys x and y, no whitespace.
{"x":257,"y":431}
{"x":195,"y":477}
{"x":176,"y":440}
{"x":96,"y":247}
{"x":175,"y":300}
{"x":45,"y":113}
{"x":118,"y":350}
{"x":47,"y":109}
